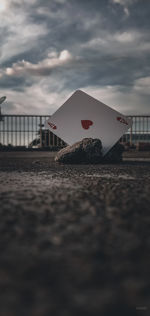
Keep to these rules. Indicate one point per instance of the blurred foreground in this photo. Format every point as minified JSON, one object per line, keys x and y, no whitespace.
{"x":74,"y":240}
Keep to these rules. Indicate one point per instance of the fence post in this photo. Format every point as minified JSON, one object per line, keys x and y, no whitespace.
{"x":131,"y":136}
{"x":40,"y":132}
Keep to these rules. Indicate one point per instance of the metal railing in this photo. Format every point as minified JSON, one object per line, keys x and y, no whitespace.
{"x":140,"y":130}
{"x":29,"y":131}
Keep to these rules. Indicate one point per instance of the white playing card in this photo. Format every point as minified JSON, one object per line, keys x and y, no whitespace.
{"x":82,"y":116}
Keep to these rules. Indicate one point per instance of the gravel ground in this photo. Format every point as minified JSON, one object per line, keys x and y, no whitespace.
{"x":74,"y":240}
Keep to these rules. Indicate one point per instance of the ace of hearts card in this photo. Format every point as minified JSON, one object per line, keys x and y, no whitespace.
{"x":83,"y":116}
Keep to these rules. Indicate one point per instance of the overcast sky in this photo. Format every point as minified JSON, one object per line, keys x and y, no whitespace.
{"x":50,"y":48}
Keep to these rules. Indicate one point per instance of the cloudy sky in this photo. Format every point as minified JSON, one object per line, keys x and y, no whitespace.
{"x":50,"y":48}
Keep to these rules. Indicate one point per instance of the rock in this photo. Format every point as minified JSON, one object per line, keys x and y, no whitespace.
{"x":115,"y":154}
{"x":86,"y":151}
{"x":89,"y":151}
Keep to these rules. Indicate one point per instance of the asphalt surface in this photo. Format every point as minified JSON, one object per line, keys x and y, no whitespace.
{"x":74,"y":240}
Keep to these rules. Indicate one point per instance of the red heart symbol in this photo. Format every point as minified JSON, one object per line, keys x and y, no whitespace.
{"x":122,"y":120}
{"x":86,"y":123}
{"x":53,"y":126}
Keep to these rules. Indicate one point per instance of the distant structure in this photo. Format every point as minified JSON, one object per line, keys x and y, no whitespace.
{"x":2,"y":99}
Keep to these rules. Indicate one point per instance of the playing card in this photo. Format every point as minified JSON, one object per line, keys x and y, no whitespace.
{"x":82,"y":116}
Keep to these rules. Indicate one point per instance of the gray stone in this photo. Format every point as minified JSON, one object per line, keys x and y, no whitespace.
{"x":86,"y":151}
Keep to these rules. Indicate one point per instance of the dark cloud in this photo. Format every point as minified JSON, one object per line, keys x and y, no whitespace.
{"x":15,"y":83}
{"x":107,"y":44}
